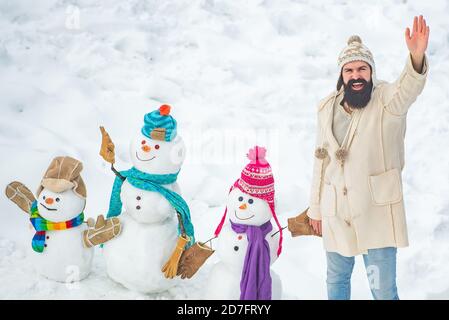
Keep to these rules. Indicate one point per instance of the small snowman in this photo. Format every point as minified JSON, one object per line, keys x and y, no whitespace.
{"x":156,"y":220}
{"x":247,"y":247}
{"x":62,"y":243}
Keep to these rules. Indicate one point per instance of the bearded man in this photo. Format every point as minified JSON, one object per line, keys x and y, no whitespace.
{"x":356,"y":196}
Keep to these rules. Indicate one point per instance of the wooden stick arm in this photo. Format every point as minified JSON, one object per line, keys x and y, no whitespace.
{"x":117,"y":173}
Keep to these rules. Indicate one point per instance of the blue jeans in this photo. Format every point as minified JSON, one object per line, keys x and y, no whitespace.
{"x":380,"y":267}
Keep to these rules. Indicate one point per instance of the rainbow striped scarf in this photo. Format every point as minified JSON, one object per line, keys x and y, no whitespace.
{"x":41,"y":225}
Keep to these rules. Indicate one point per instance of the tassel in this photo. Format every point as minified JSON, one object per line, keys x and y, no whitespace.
{"x":170,"y":269}
{"x":341,"y":154}
{"x":321,"y":153}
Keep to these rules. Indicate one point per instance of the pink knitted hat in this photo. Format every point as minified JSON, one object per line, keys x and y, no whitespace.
{"x":257,"y":181}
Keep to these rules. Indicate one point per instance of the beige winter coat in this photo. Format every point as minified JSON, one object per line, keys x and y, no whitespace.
{"x":361,"y":202}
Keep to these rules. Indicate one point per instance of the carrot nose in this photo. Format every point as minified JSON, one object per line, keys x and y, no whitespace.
{"x":49,"y":201}
{"x":146,"y":148}
{"x":243,"y":206}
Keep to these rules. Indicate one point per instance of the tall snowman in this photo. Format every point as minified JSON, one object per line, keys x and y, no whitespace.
{"x":247,"y":245}
{"x":62,"y":243}
{"x":156,"y":220}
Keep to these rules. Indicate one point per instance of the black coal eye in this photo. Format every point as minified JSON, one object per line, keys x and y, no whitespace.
{"x":43,"y":197}
{"x":240,"y":198}
{"x":57,"y":199}
{"x":250,"y":201}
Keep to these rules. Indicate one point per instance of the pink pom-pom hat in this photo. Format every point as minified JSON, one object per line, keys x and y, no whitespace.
{"x":257,"y":181}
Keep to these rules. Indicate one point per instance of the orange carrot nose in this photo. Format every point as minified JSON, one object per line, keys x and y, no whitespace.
{"x":243,"y":206}
{"x":146,"y":148}
{"x":49,"y":201}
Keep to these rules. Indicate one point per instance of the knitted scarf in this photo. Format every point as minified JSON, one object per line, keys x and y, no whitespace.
{"x":152,"y":182}
{"x":41,"y":225}
{"x":255,"y":283}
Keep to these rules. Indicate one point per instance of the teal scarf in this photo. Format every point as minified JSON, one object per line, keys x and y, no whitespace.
{"x":152,"y":182}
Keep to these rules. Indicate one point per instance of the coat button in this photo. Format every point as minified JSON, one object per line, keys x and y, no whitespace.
{"x":240,"y":237}
{"x":138,"y":198}
{"x":236,"y":248}
{"x":345,"y":191}
{"x":348,"y":223}
{"x":138,"y":207}
{"x":48,"y":237}
{"x":45,"y":245}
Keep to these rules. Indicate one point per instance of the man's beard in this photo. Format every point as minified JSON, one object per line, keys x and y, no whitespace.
{"x":358,"y":99}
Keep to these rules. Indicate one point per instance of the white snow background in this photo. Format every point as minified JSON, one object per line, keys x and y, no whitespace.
{"x":236,"y":73}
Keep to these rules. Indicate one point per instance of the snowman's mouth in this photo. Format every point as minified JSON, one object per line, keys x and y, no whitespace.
{"x":50,"y":209}
{"x":137,"y":156}
{"x":235,"y":213}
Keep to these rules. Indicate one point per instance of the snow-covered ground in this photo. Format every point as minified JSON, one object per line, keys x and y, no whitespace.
{"x":237,"y":73}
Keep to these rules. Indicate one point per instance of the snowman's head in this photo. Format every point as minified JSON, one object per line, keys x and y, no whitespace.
{"x":59,"y":206}
{"x":157,"y":156}
{"x":246,"y":209}
{"x":158,"y":149}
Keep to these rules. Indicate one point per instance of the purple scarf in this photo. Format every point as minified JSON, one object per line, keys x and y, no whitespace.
{"x":255,"y":283}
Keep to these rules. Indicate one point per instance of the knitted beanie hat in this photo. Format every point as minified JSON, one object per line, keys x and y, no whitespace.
{"x":257,"y":181}
{"x":357,"y":51}
{"x":159,"y":124}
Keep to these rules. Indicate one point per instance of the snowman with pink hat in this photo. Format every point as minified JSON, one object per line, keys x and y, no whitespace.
{"x":247,"y":244}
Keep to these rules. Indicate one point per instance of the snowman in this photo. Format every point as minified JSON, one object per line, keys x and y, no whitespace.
{"x":247,"y":245}
{"x":62,"y":243}
{"x":156,"y":219}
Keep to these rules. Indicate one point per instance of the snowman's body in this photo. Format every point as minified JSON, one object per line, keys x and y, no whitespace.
{"x":147,"y":206}
{"x":224,"y":279}
{"x":149,"y":222}
{"x":64,"y":259}
{"x":149,"y":231}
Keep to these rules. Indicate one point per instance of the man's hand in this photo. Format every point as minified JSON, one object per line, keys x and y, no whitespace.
{"x":316,"y":225}
{"x":417,"y":42}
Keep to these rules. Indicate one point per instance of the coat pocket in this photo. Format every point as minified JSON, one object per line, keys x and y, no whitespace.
{"x":385,"y":188}
{"x":328,"y":201}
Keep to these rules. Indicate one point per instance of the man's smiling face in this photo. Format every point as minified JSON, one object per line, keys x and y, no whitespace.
{"x":356,"y":70}
{"x":358,"y":85}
